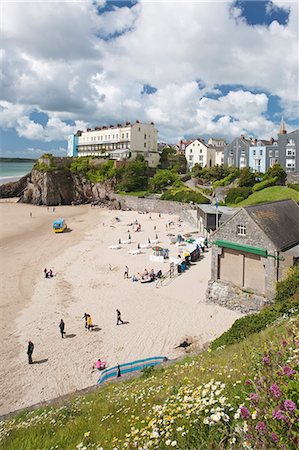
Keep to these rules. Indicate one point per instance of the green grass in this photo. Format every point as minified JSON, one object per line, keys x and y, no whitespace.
{"x":270,"y":194}
{"x":110,"y":416}
{"x":134,"y":193}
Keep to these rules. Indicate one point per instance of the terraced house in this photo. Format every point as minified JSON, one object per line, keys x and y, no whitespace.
{"x":119,"y":142}
{"x":262,"y":154}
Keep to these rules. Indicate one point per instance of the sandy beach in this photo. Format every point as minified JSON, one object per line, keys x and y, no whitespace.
{"x":32,"y":306}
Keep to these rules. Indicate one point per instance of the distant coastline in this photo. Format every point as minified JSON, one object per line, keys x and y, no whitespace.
{"x":20,"y":160}
{"x":12,"y":169}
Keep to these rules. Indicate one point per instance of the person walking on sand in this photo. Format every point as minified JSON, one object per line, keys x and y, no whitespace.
{"x":89,"y":323}
{"x":119,"y":320}
{"x":30,"y":351}
{"x":46,"y":273}
{"x":86,"y":317}
{"x":61,"y":327}
{"x":126,"y":272}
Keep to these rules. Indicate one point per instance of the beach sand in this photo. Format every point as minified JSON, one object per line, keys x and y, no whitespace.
{"x":159,"y":318}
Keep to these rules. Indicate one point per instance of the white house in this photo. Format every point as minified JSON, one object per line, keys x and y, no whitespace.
{"x":117,"y":142}
{"x":199,"y":152}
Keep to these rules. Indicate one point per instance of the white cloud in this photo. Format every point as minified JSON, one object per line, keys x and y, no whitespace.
{"x":54,"y":61}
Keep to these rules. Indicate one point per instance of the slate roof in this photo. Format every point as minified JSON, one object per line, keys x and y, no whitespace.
{"x":279,"y":221}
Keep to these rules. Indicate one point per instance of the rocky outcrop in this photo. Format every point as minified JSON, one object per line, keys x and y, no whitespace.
{"x":14,"y":189}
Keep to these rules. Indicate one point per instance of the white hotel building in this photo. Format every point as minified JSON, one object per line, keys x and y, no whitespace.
{"x":119,"y":142}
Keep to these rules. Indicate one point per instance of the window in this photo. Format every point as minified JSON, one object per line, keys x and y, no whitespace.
{"x":270,"y":153}
{"x":144,"y":145}
{"x":261,"y":152}
{"x":138,"y":128}
{"x":122,"y":135}
{"x":190,"y":150}
{"x":200,"y":151}
{"x":127,"y":135}
{"x":254,"y":152}
{"x":190,"y":157}
{"x":276,"y":153}
{"x":144,"y":136}
{"x":273,"y":161}
{"x":241,"y":230}
{"x":291,"y":152}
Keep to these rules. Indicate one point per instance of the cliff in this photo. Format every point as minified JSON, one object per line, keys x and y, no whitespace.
{"x":51,"y":183}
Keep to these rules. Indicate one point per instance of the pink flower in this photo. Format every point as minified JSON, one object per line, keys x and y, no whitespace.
{"x":248,"y":382}
{"x":284,"y":343}
{"x":288,"y":371}
{"x":254,"y":397}
{"x":274,"y":437}
{"x":245,"y":414}
{"x":266,"y":359}
{"x":289,"y":405}
{"x":261,"y":426}
{"x":275,"y":390}
{"x":278,"y":415}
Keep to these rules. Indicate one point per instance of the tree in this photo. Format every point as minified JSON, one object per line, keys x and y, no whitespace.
{"x":246,"y":178}
{"x":163,"y":179}
{"x":276,"y":171}
{"x":132,"y":176}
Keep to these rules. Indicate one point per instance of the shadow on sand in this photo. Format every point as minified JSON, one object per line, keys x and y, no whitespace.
{"x":70,"y":335}
{"x":40,"y":361}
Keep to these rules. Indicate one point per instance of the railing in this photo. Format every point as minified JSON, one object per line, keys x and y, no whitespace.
{"x":133,"y":366}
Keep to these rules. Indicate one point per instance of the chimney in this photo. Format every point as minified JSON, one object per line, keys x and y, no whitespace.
{"x":272,"y":141}
{"x":242,"y":137}
{"x":255,"y":141}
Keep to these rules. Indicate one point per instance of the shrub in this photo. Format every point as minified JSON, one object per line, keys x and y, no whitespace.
{"x":239,"y":199}
{"x":276,"y":171}
{"x":44,"y":166}
{"x":286,"y":299}
{"x":264,"y":184}
{"x":184,"y":194}
{"x":225,"y":181}
{"x":234,"y":193}
{"x":294,"y":186}
{"x":162,"y":179}
{"x":247,"y":178}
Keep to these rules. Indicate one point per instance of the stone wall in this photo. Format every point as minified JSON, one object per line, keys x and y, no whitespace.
{"x":156,"y":205}
{"x":232,"y":297}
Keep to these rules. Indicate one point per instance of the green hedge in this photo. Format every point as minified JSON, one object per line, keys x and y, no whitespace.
{"x":234,"y":193}
{"x":225,"y":181}
{"x":286,"y":299}
{"x":184,"y":194}
{"x":264,"y":184}
{"x":294,"y":186}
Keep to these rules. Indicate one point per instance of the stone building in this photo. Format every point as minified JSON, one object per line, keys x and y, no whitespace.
{"x":251,"y":251}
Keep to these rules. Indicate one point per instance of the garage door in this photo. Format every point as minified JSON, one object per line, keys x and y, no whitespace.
{"x":254,"y":273}
{"x":231,"y":266}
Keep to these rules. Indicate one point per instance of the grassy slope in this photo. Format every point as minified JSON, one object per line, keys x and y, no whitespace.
{"x":270,"y":194}
{"x":102,"y":419}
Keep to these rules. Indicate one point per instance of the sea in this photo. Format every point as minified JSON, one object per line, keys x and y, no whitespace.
{"x":12,"y":171}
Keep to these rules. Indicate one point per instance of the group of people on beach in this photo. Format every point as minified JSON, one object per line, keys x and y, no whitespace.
{"x":48,"y":273}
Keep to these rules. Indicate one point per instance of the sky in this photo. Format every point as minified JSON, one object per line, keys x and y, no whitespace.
{"x":194,"y":68}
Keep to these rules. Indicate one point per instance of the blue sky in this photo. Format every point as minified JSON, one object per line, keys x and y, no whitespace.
{"x":197,"y":69}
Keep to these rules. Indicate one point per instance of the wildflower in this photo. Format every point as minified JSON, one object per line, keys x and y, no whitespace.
{"x":284,"y":343}
{"x":254,"y":397}
{"x":288,"y":371}
{"x":277,"y":414}
{"x":248,"y":382}
{"x":254,"y":415}
{"x":289,"y":405}
{"x":245,"y":414}
{"x":266,"y":359}
{"x":275,"y":390}
{"x":168,"y":442}
{"x":87,"y":433}
{"x":261,"y":426}
{"x":274,"y":437}
{"x":174,"y":444}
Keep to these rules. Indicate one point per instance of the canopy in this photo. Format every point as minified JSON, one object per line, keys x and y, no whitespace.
{"x":157,"y":248}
